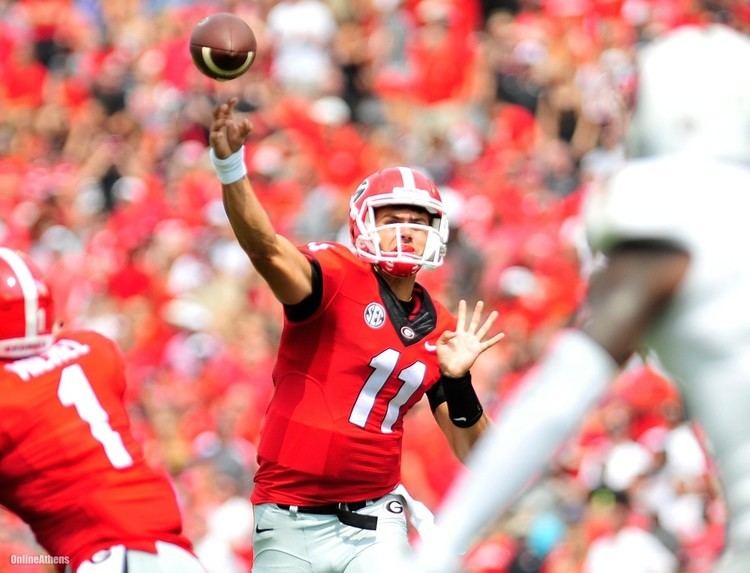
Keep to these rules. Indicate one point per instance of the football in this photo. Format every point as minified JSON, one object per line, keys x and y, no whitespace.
{"x":222,"y":46}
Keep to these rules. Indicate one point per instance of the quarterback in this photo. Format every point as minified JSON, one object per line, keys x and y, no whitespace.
{"x":672,"y":229}
{"x":69,"y":466}
{"x":362,"y":343}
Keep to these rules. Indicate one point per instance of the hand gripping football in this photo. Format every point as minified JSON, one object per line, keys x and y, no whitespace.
{"x":222,"y":46}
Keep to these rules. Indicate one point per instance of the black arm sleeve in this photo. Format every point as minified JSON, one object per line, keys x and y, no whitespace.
{"x":307,"y":306}
{"x":464,"y":408}
{"x":436,"y":395}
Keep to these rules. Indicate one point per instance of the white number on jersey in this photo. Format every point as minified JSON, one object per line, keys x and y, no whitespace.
{"x":383,"y":365}
{"x":75,"y":390}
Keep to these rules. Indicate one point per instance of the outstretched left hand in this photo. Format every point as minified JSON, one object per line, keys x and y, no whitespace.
{"x":458,"y":349}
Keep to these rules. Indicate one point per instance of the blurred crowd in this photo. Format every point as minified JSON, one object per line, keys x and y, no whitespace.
{"x":514,"y":107}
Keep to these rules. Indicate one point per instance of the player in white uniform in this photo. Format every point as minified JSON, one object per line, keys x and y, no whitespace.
{"x":674,"y":226}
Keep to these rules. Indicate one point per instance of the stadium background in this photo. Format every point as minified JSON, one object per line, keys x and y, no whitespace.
{"x":514,"y":107}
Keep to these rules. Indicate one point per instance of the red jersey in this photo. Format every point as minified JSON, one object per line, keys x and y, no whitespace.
{"x":69,"y":466}
{"x":344,"y":379}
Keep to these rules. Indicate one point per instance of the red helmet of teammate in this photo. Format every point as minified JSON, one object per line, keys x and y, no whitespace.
{"x":390,"y":187}
{"x":26,"y":307}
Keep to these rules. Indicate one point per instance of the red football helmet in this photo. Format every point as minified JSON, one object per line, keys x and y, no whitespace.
{"x":26,"y":307}
{"x":390,"y":187}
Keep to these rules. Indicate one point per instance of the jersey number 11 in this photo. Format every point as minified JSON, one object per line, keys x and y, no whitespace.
{"x":383,"y":365}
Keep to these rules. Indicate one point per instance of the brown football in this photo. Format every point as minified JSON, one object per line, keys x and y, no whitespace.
{"x":222,"y":46}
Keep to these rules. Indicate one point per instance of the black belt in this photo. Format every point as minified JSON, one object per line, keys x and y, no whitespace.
{"x":344,"y":511}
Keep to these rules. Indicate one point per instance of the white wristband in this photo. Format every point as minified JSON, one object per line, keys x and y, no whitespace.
{"x":231,"y":168}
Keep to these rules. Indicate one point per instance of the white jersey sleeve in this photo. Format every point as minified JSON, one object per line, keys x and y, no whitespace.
{"x":682,"y":199}
{"x":635,"y":204}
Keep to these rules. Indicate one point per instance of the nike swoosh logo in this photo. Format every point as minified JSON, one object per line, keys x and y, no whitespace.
{"x":259,"y":530}
{"x":430,"y":347}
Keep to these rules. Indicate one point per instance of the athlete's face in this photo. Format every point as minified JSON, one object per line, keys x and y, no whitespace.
{"x":412,"y":239}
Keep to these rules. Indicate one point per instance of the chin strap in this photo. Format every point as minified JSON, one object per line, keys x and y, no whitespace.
{"x":399,"y":269}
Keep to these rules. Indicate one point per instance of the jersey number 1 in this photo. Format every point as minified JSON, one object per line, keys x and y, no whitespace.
{"x":383,"y":365}
{"x":75,"y":390}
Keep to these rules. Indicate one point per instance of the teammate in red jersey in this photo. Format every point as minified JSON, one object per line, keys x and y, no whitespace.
{"x":69,"y":466}
{"x":362,"y":343}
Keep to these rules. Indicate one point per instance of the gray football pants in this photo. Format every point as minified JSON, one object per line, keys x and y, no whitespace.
{"x":286,"y":541}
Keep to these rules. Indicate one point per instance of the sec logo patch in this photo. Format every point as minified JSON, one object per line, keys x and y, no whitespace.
{"x":374,"y":315}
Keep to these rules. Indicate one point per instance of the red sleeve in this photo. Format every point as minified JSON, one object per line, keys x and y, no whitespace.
{"x":335,"y":262}
{"x":110,"y":364}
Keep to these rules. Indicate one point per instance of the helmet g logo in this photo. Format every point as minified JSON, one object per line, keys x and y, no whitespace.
{"x":374,"y":315}
{"x":361,"y":189}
